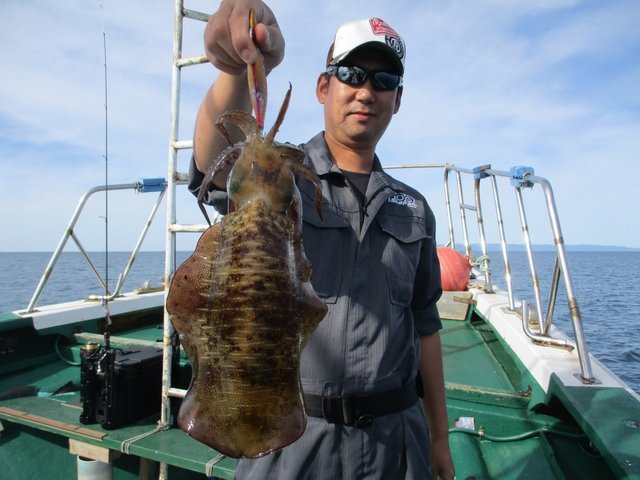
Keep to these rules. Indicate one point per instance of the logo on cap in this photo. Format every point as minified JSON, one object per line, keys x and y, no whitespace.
{"x":396,"y":44}
{"x":391,"y":37}
{"x":380,"y":27}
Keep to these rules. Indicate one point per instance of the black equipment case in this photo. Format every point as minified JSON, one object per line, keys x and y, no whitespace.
{"x":120,"y":386}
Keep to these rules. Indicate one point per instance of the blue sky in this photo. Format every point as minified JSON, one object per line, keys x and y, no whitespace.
{"x":553,"y":84}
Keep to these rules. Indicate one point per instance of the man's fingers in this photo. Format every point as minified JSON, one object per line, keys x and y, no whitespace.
{"x":228,"y":43}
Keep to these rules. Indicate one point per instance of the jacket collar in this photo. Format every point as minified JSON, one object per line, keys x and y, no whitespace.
{"x":319,"y":159}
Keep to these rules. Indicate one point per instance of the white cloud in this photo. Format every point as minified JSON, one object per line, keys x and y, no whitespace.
{"x":551,"y":84}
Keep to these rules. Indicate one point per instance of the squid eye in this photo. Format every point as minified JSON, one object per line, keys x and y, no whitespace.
{"x":236,"y":183}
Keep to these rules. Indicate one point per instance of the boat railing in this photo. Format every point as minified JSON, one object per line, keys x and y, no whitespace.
{"x":520,"y":178}
{"x":145,"y":185}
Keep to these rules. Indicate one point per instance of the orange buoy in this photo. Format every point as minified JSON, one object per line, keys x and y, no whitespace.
{"x":454,"y":269}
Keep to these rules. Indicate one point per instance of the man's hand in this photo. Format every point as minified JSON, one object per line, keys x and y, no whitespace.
{"x":435,"y":407}
{"x":228,"y":44}
{"x":440,"y":459}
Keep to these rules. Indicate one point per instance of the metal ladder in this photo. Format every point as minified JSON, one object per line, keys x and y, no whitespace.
{"x":175,"y":178}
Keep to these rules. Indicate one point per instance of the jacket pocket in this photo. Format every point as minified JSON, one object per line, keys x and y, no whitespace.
{"x":323,"y":241}
{"x":401,"y":247}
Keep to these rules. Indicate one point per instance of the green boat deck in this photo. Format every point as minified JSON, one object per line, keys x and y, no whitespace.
{"x":39,"y":426}
{"x":508,"y":428}
{"x":60,"y":416}
{"x":520,"y":431}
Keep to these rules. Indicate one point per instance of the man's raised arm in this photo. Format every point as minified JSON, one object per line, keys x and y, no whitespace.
{"x":230,"y":48}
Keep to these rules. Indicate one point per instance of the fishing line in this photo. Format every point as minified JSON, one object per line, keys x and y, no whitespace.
{"x":109,"y":353}
{"x":105,"y":300}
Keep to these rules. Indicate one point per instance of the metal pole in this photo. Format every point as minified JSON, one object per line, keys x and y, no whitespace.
{"x":483,"y":240}
{"x":65,"y":238}
{"x":574,"y":310}
{"x":136,"y":249}
{"x":532,"y":266}
{"x":463,"y":215}
{"x":503,"y":242}
{"x":447,"y":200}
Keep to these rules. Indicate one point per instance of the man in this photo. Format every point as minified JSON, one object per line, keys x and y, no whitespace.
{"x":373,"y":255}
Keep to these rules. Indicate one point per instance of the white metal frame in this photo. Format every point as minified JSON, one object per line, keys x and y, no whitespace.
{"x":173,"y":179}
{"x":561,"y":267}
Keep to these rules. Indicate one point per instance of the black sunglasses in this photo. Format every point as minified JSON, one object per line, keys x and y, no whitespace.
{"x":356,"y":76}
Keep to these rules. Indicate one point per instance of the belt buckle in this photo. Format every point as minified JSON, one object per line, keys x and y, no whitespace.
{"x":342,"y":410}
{"x":363,"y":421}
{"x":331,"y":408}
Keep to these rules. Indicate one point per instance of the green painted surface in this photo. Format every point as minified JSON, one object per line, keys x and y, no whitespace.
{"x":523,"y":460}
{"x":468,"y":359}
{"x":171,"y":446}
{"x":514,"y":430}
{"x":468,"y":458}
{"x":611,"y":417}
{"x":20,"y":448}
{"x":519,"y":431}
{"x":29,"y":453}
{"x":11,"y":321}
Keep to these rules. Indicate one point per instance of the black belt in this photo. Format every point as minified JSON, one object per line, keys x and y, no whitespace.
{"x":360,"y":411}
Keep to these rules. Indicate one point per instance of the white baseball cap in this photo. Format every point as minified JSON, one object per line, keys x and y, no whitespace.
{"x":373,"y":32}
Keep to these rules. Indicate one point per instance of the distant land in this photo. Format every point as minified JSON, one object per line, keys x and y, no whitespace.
{"x":492,"y":247}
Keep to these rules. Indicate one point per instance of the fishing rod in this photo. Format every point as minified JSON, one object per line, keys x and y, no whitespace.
{"x":105,"y":300}
{"x":97,"y":366}
{"x":109,"y":353}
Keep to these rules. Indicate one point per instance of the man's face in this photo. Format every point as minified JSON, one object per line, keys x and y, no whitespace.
{"x":357,"y":116}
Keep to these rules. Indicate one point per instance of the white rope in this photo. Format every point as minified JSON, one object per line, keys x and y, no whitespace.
{"x":211,"y":463}
{"x":127,"y":443}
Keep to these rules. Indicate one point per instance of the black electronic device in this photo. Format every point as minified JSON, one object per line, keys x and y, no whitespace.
{"x":119,"y":386}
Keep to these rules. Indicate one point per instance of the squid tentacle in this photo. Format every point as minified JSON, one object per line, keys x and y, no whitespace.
{"x":221,"y":165}
{"x":244,"y":121}
{"x":283,"y":110}
{"x":306,"y":172}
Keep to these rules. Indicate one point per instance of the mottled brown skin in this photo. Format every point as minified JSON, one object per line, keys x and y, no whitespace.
{"x":244,"y":306}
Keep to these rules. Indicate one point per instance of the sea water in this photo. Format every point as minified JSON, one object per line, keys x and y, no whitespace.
{"x":606,"y":285}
